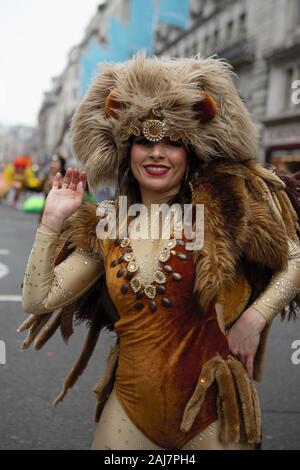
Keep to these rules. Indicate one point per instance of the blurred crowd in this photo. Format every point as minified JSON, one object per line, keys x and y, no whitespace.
{"x":25,"y":185}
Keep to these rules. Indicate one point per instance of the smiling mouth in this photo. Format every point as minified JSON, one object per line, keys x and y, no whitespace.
{"x":156,"y":170}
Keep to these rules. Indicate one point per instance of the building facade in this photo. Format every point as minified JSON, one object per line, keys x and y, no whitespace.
{"x":260,"y":39}
{"x":262,"y":42}
{"x":17,"y":140}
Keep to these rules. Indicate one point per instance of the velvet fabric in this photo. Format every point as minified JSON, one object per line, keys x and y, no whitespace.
{"x":162,"y":353}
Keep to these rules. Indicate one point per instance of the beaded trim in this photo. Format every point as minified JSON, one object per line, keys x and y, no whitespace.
{"x":158,"y":277}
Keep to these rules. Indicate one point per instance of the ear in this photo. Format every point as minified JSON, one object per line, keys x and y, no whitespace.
{"x":205,"y":109}
{"x":112,"y":105}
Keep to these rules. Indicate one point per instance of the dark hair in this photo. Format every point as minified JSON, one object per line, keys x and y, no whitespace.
{"x":62,"y":162}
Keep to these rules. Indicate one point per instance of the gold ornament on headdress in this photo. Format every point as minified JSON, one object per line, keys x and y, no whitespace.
{"x":154,"y":127}
{"x":154,"y":130}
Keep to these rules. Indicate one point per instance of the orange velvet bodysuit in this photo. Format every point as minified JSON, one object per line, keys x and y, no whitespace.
{"x":162,"y":351}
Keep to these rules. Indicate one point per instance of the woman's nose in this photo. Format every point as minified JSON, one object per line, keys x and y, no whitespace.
{"x":157,"y":150}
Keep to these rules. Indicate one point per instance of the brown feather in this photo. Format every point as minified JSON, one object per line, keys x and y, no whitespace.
{"x":80,"y":364}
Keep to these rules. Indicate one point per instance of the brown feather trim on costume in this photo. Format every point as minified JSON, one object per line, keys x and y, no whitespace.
{"x":257,"y":413}
{"x":35,"y":328}
{"x":105,"y":385}
{"x":246,"y":403}
{"x":292,"y":183}
{"x":206,"y":378}
{"x":80,"y":229}
{"x":48,"y":329}
{"x":238,"y":404}
{"x":27,"y":323}
{"x":80,"y":365}
{"x":66,"y":324}
{"x":229,"y":411}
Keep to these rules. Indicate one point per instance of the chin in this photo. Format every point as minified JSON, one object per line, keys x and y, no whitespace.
{"x":155,"y":185}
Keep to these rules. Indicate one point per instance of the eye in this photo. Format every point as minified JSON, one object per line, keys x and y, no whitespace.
{"x":175,"y":143}
{"x":142,"y":141}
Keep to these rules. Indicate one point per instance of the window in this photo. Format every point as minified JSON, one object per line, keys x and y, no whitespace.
{"x":293,"y":15}
{"x":229,"y":30}
{"x":242,"y":24}
{"x":206,"y":44}
{"x":298,"y":13}
{"x":216,"y":38}
{"x":289,"y":74}
{"x":195,"y":48}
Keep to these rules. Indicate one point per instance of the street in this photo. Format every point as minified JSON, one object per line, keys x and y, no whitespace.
{"x":30,"y":380}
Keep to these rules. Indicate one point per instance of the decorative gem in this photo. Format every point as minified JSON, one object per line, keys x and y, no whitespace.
{"x":129,"y":276}
{"x":159,"y":277}
{"x":177,"y":277}
{"x":154,"y":130}
{"x":139,"y":306}
{"x":165,"y":255}
{"x":124,"y":289}
{"x":120,"y":272}
{"x":152,"y":306}
{"x":132,"y":266}
{"x":168,"y":269}
{"x":150,"y":291}
{"x":135,"y":284}
{"x":171,"y":243}
{"x":124,"y":134}
{"x":149,"y":288}
{"x":128,"y":257}
{"x":166,"y":302}
{"x":160,"y":289}
{"x":181,"y":256}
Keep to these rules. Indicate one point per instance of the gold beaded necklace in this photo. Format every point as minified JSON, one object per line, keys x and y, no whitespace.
{"x":133,"y":267}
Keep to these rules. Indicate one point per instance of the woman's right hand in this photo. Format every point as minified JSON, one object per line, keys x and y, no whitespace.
{"x":64,"y":198}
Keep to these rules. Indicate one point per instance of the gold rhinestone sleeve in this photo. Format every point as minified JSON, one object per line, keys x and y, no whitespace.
{"x":283,"y":287}
{"x":47,"y":288}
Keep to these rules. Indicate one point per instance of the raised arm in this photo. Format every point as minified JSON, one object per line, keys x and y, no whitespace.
{"x":47,"y":287}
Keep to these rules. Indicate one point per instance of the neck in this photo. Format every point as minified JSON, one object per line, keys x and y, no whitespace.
{"x":151,"y":197}
{"x":154,"y":197}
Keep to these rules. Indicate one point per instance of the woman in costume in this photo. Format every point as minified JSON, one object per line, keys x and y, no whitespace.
{"x":191,"y":326}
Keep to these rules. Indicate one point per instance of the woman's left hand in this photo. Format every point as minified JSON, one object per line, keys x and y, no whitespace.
{"x":244,"y":336}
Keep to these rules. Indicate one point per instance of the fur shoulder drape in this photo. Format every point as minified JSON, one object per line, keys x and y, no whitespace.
{"x":238,"y":228}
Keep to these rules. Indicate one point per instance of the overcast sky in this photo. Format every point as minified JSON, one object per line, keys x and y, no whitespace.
{"x":35,"y":38}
